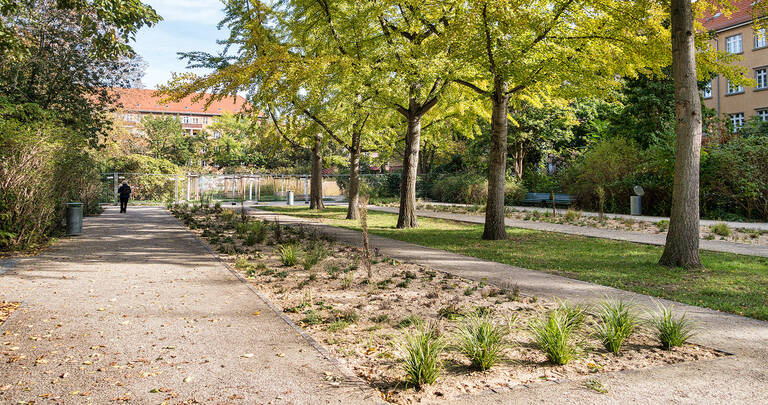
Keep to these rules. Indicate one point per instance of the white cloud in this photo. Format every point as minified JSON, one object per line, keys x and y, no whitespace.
{"x":199,"y":11}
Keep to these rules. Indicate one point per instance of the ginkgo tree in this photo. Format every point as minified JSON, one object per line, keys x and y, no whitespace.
{"x":514,"y":51}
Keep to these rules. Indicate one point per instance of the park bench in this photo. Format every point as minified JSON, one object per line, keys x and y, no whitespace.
{"x":545,"y":199}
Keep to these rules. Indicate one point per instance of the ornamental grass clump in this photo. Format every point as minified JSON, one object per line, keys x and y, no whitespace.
{"x":420,"y":351}
{"x":288,"y":255}
{"x":671,"y":331}
{"x":555,"y":334}
{"x":480,"y":339}
{"x":617,"y":320}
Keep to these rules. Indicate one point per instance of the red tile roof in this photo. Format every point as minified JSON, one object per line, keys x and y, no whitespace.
{"x":717,"y":21}
{"x":148,"y":101}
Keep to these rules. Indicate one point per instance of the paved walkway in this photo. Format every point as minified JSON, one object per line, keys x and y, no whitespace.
{"x":639,"y":237}
{"x":740,"y":378}
{"x":137,"y":309}
{"x":644,"y":218}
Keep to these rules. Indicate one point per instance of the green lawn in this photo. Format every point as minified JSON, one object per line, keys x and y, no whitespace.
{"x":732,"y":283}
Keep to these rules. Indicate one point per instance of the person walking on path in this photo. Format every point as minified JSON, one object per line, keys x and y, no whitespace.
{"x":125,"y":195}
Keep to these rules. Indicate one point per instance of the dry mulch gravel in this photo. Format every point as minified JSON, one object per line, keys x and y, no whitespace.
{"x":6,"y":309}
{"x":362,"y":321}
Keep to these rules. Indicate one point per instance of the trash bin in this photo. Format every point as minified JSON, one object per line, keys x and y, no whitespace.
{"x":74,"y":218}
{"x":290,"y":198}
{"x":636,"y":205}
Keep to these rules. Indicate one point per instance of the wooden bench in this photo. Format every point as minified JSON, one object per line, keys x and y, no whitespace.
{"x":545,"y":199}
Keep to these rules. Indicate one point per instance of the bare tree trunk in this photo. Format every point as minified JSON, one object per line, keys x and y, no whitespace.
{"x":407,"y":215}
{"x":682,"y":247}
{"x":316,"y":185}
{"x":518,"y":151}
{"x":354,"y":177}
{"x":495,"y":228}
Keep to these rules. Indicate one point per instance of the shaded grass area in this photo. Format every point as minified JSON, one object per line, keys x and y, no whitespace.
{"x":733,"y":283}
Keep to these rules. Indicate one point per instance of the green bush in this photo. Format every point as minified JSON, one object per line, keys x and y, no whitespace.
{"x":140,"y":173}
{"x":720,"y":229}
{"x":473,"y":189}
{"x":43,"y":165}
{"x":735,"y":178}
{"x":612,"y":164}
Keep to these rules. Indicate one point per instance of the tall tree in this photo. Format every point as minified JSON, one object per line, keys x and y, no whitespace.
{"x":515,"y":50}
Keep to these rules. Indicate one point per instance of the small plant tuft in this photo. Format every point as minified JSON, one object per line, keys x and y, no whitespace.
{"x":553,"y":332}
{"x":288,"y":255}
{"x":420,"y":355}
{"x":481,"y":340}
{"x":671,"y":331}
{"x":617,"y":321}
{"x":720,"y":229}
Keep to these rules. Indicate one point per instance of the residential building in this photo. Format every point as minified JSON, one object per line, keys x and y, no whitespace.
{"x":736,"y":34}
{"x":134,"y":104}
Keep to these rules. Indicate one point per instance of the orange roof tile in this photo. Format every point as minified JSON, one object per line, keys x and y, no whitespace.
{"x":146,"y":100}
{"x":717,"y":21}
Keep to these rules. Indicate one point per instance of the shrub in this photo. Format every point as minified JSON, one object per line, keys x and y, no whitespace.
{"x":473,"y":189}
{"x":420,"y":355}
{"x":553,"y":332}
{"x":336,"y":326}
{"x":481,"y":340}
{"x":617,"y":321}
{"x":612,"y":164}
{"x":288,"y":255}
{"x":670,"y":330}
{"x":720,"y":229}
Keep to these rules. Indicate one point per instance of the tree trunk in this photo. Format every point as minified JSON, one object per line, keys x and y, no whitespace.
{"x":495,"y":228}
{"x":407,"y":216}
{"x":519,"y":158}
{"x":682,"y":246}
{"x":354,"y":177}
{"x":316,"y":185}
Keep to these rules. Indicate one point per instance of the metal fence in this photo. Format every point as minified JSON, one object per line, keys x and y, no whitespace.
{"x":163,"y":188}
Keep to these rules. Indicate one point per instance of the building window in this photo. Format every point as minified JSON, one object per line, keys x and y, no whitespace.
{"x":735,"y":89}
{"x":216,"y":134}
{"x":760,"y":39}
{"x":761,"y":77}
{"x":185,"y":120}
{"x":763,"y":114}
{"x":706,"y":92}
{"x":205,"y":120}
{"x":733,"y":44}
{"x":194,"y":120}
{"x":737,"y":121}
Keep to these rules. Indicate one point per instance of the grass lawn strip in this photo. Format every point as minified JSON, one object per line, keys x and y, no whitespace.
{"x":731,"y":283}
{"x":362,"y":322}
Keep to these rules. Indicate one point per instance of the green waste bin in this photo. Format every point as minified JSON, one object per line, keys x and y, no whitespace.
{"x":74,"y":218}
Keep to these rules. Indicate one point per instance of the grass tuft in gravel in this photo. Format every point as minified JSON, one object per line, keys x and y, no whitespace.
{"x":672,"y":331}
{"x":480,"y":339}
{"x":617,"y":321}
{"x":420,"y":351}
{"x":554,"y":333}
{"x":288,"y":255}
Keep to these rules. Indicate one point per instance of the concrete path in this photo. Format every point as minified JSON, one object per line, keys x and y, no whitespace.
{"x":137,"y":310}
{"x":639,"y":237}
{"x":644,"y":218}
{"x":739,"y":378}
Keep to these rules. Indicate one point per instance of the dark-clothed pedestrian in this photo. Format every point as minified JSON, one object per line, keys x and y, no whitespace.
{"x":125,"y":194}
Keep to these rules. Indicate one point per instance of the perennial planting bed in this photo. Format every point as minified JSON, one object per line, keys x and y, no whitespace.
{"x":364,"y":322}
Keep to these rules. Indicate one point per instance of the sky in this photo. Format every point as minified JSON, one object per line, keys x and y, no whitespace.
{"x":188,"y":25}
